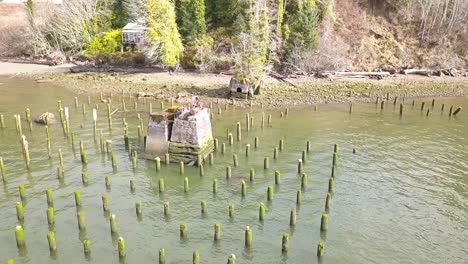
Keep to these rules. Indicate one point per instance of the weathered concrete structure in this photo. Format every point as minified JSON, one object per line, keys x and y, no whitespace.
{"x":182,"y":132}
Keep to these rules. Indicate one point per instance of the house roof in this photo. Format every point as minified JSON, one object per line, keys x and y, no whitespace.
{"x":134,"y":27}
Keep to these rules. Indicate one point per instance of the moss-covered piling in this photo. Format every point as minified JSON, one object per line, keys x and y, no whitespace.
{"x":285,"y":243}
{"x":248,"y":237}
{"x":261,"y":212}
{"x":217,"y":232}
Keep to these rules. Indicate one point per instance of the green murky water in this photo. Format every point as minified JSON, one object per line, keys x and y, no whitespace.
{"x":402,"y":198}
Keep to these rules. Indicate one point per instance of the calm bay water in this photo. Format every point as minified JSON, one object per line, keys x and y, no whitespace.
{"x":402,"y":198}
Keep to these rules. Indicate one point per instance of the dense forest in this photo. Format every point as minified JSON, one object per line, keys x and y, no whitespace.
{"x":251,"y":37}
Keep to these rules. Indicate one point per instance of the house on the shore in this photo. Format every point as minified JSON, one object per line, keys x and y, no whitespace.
{"x":133,"y":35}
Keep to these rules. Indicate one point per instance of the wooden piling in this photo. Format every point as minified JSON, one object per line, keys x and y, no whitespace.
{"x":2,"y":122}
{"x":203,"y":206}
{"x":300,"y":166}
{"x":243,"y":188}
{"x":161,"y":185}
{"x":235,"y":160}
{"x":211,"y":158}
{"x":230,"y":139}
{"x":50,"y":216}
{"x":223,"y":148}
{"x":132,"y":186}
{"x":50,"y":201}
{"x":138,"y":210}
{"x":22,"y":192}
{"x":238,"y":130}
{"x":217,"y":232}
{"x":256,"y":142}
{"x":183,"y":230}
{"x":19,"y":234}
{"x":331,"y":184}
{"x":232,"y":259}
{"x":216,"y":144}
{"x":52,"y":242}
{"x":81,"y":220}
{"x":269,"y":119}
{"x":77,"y":198}
{"x":20,"y":211}
{"x":60,"y":172}
{"x":158,"y":163}
{"x":292,"y":217}
{"x":166,"y":208}
{"x":320,"y":249}
{"x":266,"y":163}
{"x":275,"y":153}
{"x":121,"y":248}
{"x":84,"y":158}
{"x":247,"y":121}
{"x":105,"y":203}
{"x":457,"y":111}
{"x":84,"y":178}
{"x":252,"y":174}
{"x":303,"y":181}
{"x":107,"y":182}
{"x":335,"y":158}
{"x":298,"y":197}
{"x":422,"y":106}
{"x":167,"y":158}
{"x":277,"y":177}
{"x":2,"y":169}
{"x":113,"y":224}
{"x":162,"y":256}
{"x":186,"y":185}
{"x":228,"y":172}
{"x":324,"y":222}
{"x":304,"y":156}
{"x":401,"y":109}
{"x":201,"y":170}
{"x":261,"y":212}
{"x":231,"y":210}
{"x":248,"y":237}
{"x":269,"y":193}
{"x":285,"y":243}
{"x":215,"y":185}
{"x":87,"y":247}
{"x":196,"y":257}
{"x":351,"y":108}
{"x":247,"y":150}
{"x":328,"y":202}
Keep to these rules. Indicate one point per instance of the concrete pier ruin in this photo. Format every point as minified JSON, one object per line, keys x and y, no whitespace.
{"x":183,"y":132}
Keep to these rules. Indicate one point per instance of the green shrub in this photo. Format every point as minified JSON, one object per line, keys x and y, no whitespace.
{"x":103,"y":48}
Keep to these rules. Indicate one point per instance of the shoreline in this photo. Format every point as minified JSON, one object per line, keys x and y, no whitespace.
{"x":213,"y":87}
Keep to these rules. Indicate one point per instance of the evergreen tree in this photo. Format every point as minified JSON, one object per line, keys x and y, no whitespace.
{"x":303,"y":27}
{"x":119,"y":15}
{"x":165,"y":45}
{"x":225,"y":11}
{"x":191,"y":19}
